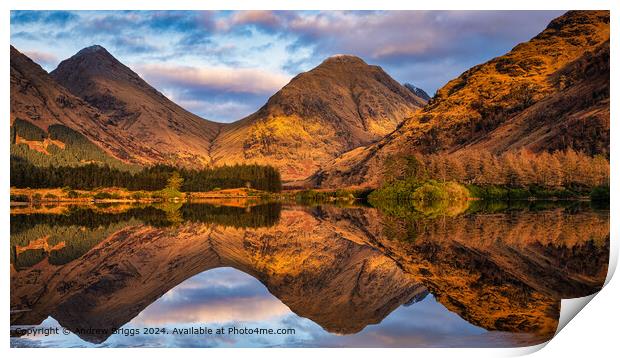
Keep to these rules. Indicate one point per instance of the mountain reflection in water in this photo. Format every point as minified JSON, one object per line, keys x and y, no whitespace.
{"x":479,"y":275}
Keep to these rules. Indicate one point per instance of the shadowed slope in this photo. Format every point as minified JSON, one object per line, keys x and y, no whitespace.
{"x":38,"y":99}
{"x":158,"y":130}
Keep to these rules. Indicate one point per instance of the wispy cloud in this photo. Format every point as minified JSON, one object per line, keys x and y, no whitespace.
{"x":226,"y":79}
{"x":43,"y":58}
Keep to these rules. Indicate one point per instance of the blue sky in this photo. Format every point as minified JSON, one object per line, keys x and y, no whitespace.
{"x":224,"y":65}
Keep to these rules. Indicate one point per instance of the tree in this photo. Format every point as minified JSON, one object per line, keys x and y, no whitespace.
{"x":175,"y":182}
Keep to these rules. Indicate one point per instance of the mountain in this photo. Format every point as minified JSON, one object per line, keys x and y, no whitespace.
{"x":157,"y":130}
{"x":550,"y":93}
{"x":418,"y":91}
{"x":48,"y":120}
{"x":341,"y":104}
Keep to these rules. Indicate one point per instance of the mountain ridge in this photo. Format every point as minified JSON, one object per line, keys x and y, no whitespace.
{"x":341,"y":104}
{"x":480,"y":109}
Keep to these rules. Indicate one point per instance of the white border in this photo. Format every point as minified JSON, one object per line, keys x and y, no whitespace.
{"x":593,"y":332}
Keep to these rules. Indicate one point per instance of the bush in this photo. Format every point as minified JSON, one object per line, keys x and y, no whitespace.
{"x":430,"y":192}
{"x":398,"y":190}
{"x":168,"y":193}
{"x":456,"y":191}
{"x":50,"y":196}
{"x":72,"y":194}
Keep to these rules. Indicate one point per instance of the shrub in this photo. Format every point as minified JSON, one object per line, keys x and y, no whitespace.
{"x":72,"y":194}
{"x":456,"y":191}
{"x":430,"y":192}
{"x":168,"y":193}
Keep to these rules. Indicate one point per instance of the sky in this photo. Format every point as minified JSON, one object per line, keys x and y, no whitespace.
{"x":224,"y":65}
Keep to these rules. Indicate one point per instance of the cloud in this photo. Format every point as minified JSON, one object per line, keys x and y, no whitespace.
{"x":24,"y":35}
{"x":222,"y":94}
{"x":417,"y":34}
{"x":109,"y":23}
{"x":44,"y":59}
{"x":133,"y":44}
{"x":211,"y":311}
{"x":219,"y":108}
{"x":216,"y":296}
{"x":226,"y":79}
{"x":264,"y":19}
{"x":180,"y":21}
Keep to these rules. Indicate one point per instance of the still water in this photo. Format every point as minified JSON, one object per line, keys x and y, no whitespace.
{"x":275,"y":275}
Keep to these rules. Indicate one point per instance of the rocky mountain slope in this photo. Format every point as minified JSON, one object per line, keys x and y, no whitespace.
{"x":37,"y":99}
{"x":550,"y":93}
{"x":159,"y":130}
{"x":341,"y":104}
{"x":417,"y":91}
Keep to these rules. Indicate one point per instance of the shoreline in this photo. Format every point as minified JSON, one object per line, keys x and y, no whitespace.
{"x":28,"y":196}
{"x":206,"y":197}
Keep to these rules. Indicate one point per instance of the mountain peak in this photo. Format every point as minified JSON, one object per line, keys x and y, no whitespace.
{"x":339,"y":105}
{"x":417,"y":91}
{"x":92,"y":61}
{"x":92,"y":49}
{"x":135,"y":109}
{"x":94,"y":55}
{"x":577,"y":17}
{"x":344,"y":59}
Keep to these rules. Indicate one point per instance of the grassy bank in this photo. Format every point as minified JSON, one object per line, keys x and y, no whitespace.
{"x":325,"y":196}
{"x":119,"y":195}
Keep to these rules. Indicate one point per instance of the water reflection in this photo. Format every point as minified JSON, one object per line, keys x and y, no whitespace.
{"x":482,"y":275}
